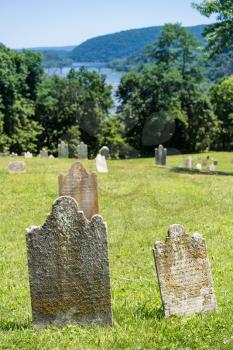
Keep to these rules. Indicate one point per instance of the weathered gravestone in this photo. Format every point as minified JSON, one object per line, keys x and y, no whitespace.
{"x":101,"y":164}
{"x":69,"y":268}
{"x":184,"y":274}
{"x":82,"y":151}
{"x":63,"y":150}
{"x":18,"y":167}
{"x":198,"y":166}
{"x":189,"y":163}
{"x":81,"y":186}
{"x":44,"y":153}
{"x":160,"y":155}
{"x":104,"y":151}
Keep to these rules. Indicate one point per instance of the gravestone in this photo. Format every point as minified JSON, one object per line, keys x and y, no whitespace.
{"x":198,"y":166}
{"x":82,"y":151}
{"x":28,"y":155}
{"x":189,"y":163}
{"x":211,"y":168}
{"x":184,"y":274}
{"x":69,"y":268}
{"x":44,"y":153}
{"x":18,"y":167}
{"x":104,"y":151}
{"x":63,"y":150}
{"x":160,"y":155}
{"x":101,"y":164}
{"x":81,"y":186}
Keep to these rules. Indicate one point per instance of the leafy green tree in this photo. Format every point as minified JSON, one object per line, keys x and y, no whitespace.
{"x":164,"y":103}
{"x":72,"y":107}
{"x":19,"y":131}
{"x":221,"y":95}
{"x":112,"y":135}
{"x":220,"y":34}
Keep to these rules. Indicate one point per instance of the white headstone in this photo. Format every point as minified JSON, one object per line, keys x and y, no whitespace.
{"x":101,"y":164}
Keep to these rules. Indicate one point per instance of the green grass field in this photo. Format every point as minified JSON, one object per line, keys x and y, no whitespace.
{"x":138,"y":201}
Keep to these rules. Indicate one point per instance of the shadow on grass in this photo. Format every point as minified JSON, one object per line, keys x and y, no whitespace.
{"x":197,"y":172}
{"x":14,"y":326}
{"x":144,"y":313}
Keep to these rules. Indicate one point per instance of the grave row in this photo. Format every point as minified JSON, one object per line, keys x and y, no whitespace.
{"x":69,"y":267}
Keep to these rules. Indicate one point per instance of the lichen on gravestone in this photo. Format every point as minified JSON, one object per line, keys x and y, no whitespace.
{"x":69,"y":268}
{"x":184,"y":274}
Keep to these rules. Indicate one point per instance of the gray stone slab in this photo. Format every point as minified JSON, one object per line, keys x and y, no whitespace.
{"x":69,"y":268}
{"x":184,"y":274}
{"x":82,"y":151}
{"x":17,"y":167}
{"x":81,"y":186}
{"x":160,"y":155}
{"x":63,"y":150}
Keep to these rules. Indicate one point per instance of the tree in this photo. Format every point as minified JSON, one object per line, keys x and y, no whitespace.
{"x":220,"y":34}
{"x":19,"y":131}
{"x":221,"y":95}
{"x":164,"y":102}
{"x":72,"y":107}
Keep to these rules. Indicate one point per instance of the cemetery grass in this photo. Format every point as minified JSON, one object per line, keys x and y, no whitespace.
{"x":138,"y":201}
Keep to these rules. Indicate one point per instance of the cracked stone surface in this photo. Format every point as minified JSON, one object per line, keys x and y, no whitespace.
{"x":69,"y":268}
{"x":83,"y":187}
{"x":184,"y":274}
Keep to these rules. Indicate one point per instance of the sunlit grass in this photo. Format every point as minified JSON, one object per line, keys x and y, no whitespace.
{"x":138,"y":201}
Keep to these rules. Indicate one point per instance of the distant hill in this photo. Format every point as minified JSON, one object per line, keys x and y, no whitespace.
{"x":52,"y":48}
{"x":122,"y":44}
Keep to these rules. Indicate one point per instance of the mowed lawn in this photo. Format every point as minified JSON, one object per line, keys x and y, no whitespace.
{"x":138,"y":201}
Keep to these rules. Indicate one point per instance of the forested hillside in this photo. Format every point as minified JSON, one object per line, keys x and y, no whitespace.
{"x":122,"y":45}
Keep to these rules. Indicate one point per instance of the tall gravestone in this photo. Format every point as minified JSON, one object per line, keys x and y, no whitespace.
{"x":63,"y":150}
{"x":101,"y":164}
{"x":18,"y":167}
{"x":82,"y":151}
{"x":81,"y":186}
{"x":104,"y":151}
{"x":189,"y":163}
{"x":184,"y":274}
{"x":160,"y":155}
{"x":69,"y":268}
{"x":44,"y":153}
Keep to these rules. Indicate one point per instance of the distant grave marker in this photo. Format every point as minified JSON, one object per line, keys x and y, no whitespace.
{"x":101,"y":164}
{"x":18,"y":167}
{"x":63,"y":150}
{"x":189,"y":163}
{"x":43,"y":153}
{"x":104,"y":151}
{"x":160,"y":155}
{"x":82,"y":151}
{"x":69,"y":268}
{"x":28,"y":155}
{"x":81,"y":186}
{"x":184,"y":274}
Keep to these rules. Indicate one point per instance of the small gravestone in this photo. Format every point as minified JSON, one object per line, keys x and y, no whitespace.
{"x":198,"y":166}
{"x":184,"y":274}
{"x":28,"y":155}
{"x":63,"y":150}
{"x":211,"y":168}
{"x":101,"y":164}
{"x":18,"y":167}
{"x":69,"y":268}
{"x":82,"y":151}
{"x":104,"y":151}
{"x":81,"y":186}
{"x":44,"y":153}
{"x":189,"y":163}
{"x":160,"y":155}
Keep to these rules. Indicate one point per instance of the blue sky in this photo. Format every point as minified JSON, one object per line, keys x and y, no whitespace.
{"x":33,"y":23}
